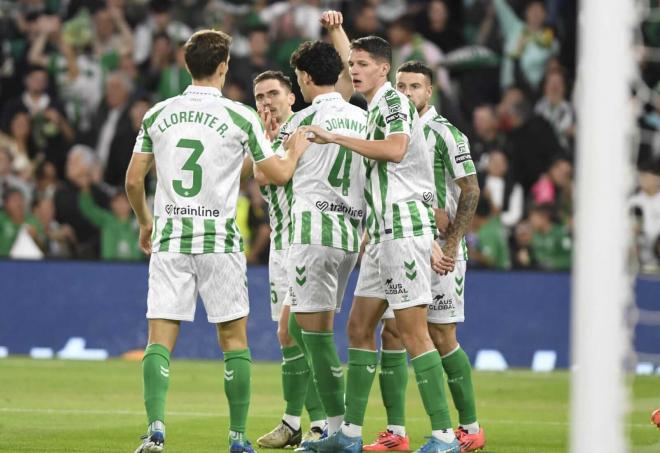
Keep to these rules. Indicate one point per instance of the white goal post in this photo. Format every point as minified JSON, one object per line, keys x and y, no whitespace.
{"x":600,"y":338}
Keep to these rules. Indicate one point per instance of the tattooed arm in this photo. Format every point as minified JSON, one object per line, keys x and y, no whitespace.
{"x":467,"y":204}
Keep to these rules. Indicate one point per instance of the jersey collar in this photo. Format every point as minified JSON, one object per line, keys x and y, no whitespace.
{"x":429,"y":115}
{"x":379,"y":94}
{"x":332,"y":96}
{"x":198,"y":89}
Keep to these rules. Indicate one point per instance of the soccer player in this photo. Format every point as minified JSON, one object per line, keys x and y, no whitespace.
{"x":396,"y":268}
{"x":274,"y":98}
{"x":326,"y":212}
{"x":457,"y":193}
{"x":198,"y":141}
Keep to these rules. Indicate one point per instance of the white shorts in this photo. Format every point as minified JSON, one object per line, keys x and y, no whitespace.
{"x":175,"y":279}
{"x":398,"y":271}
{"x":318,"y":277}
{"x":279,"y":282}
{"x":448,"y":296}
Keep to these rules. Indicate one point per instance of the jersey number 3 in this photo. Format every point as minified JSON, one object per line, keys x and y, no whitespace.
{"x":192,"y":166}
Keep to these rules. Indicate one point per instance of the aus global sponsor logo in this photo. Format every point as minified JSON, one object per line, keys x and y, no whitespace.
{"x":392,"y":288}
{"x":326,"y":206}
{"x":199,"y":211}
{"x":440,"y":303}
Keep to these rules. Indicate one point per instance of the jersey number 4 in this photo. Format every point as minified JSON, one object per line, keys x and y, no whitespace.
{"x":192,"y":166}
{"x":341,"y":166}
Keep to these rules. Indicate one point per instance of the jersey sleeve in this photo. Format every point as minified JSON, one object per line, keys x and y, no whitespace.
{"x":458,"y":158}
{"x":256,"y":143}
{"x":396,"y":114}
{"x":143,"y":143}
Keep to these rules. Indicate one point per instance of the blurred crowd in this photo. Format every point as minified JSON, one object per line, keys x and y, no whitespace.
{"x":77,"y":76}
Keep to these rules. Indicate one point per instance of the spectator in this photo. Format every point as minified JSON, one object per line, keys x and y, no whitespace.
{"x":14,"y":219}
{"x":80,"y":167}
{"x":158,"y":21}
{"x":174,"y":78}
{"x":435,"y":24}
{"x":408,"y":45}
{"x":244,"y":70}
{"x":647,"y":203}
{"x":112,"y":132}
{"x":58,"y":239}
{"x":554,"y":107}
{"x":304,"y":17}
{"x":161,"y":58}
{"x":113,"y":37}
{"x":8,"y":180}
{"x":555,"y":186}
{"x":119,"y":230}
{"x":486,"y":136}
{"x":19,"y":144}
{"x":531,"y":141}
{"x":45,"y":180}
{"x":487,"y":239}
{"x":527,"y":44}
{"x":505,"y":194}
{"x":364,"y":20}
{"x":522,"y":246}
{"x":51,"y":131}
{"x":551,"y":244}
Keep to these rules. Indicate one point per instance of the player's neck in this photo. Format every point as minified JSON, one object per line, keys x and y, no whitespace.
{"x":424,"y":109}
{"x":369,"y":95}
{"x":317,"y":90}
{"x":212,"y":82}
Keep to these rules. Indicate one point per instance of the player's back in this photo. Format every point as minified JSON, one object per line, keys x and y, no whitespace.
{"x":328,"y":185}
{"x":199,"y":141}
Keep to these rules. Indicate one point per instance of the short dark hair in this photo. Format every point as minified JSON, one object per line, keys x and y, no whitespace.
{"x":320,"y":60}
{"x":418,"y":68}
{"x":274,"y":75}
{"x":376,"y":46}
{"x":204,"y":51}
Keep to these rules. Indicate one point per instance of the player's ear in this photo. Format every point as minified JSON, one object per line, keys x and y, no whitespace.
{"x":291,"y":98}
{"x":385,"y":68}
{"x":223,"y":67}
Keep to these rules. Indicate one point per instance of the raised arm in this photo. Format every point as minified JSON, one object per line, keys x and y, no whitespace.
{"x":332,"y":21}
{"x":138,"y":169}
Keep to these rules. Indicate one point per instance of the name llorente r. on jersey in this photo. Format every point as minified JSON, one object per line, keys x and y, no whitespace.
{"x":450,"y":150}
{"x":199,"y":141}
{"x":399,"y":195}
{"x":328,"y":185}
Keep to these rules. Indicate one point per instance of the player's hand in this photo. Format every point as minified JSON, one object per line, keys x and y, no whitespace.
{"x":272,"y":128}
{"x":297,"y":142}
{"x":441,"y":263}
{"x":441,"y":221}
{"x":331,"y":19}
{"x":317,"y":134}
{"x":145,"y":238}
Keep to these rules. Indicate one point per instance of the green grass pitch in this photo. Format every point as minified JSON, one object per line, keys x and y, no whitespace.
{"x":67,"y":406}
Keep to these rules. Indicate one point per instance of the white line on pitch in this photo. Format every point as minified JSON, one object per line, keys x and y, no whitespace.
{"x":219,"y":414}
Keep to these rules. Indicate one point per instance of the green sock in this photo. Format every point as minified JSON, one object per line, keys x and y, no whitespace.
{"x":393,"y":380}
{"x":295,"y":376}
{"x":328,"y":372}
{"x":237,"y":387}
{"x":430,"y":380}
{"x":361,"y":372}
{"x":312,"y":399}
{"x":156,"y":379}
{"x":459,"y":377}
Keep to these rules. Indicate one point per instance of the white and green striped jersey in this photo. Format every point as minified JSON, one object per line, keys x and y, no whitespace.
{"x":279,"y":199}
{"x":328,"y":183}
{"x":199,"y":141}
{"x":450,"y":150}
{"x":399,"y":195}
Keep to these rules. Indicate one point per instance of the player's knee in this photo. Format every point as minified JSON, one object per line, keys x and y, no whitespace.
{"x":360,"y":334}
{"x":415,"y":339}
{"x":390,"y":339}
{"x":443,"y":337}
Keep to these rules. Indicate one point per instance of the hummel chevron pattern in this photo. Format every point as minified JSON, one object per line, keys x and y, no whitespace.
{"x":411,"y":272}
{"x":165,"y":372}
{"x":371,"y":369}
{"x":229,"y":375}
{"x":300,"y":278}
{"x":337,"y":371}
{"x":459,"y":285}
